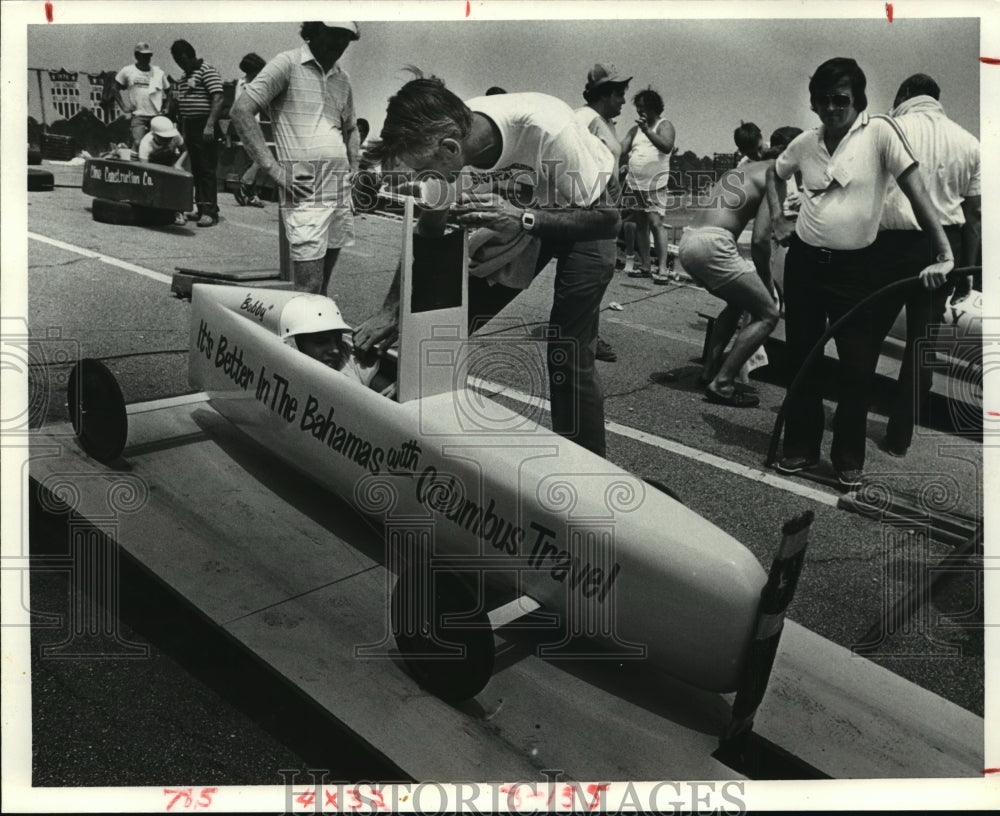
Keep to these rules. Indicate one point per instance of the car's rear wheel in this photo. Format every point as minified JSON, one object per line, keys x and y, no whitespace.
{"x":452,"y":658}
{"x":97,"y":410}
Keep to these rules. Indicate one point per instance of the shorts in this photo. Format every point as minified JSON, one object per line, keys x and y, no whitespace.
{"x":710,"y":256}
{"x":651,"y":201}
{"x":312,"y":230}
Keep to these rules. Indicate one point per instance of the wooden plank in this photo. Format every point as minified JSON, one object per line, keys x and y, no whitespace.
{"x":299,"y":579}
{"x":591,"y":722}
{"x":224,"y":530}
{"x":264,"y":554}
{"x":852,"y":719}
{"x":241,"y":275}
{"x":181,"y":282}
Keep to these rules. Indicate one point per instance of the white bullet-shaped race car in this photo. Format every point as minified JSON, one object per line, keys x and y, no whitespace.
{"x":479,"y":503}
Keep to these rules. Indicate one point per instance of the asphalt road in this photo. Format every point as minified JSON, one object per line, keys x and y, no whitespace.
{"x":201,"y":703}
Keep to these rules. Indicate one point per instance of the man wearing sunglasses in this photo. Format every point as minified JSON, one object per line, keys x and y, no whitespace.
{"x":846,"y":165}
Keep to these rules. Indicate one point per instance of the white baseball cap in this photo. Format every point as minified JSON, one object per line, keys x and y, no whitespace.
{"x":307,"y":314}
{"x":347,"y":26}
{"x":162,"y":126}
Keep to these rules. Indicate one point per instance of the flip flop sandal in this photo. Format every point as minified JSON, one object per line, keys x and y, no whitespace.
{"x":703,"y":382}
{"x":737,"y":399}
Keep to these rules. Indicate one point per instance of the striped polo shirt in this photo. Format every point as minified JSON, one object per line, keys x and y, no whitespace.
{"x":311,"y":109}
{"x":194,"y":90}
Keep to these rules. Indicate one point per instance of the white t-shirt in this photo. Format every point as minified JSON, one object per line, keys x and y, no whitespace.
{"x":147,"y":146}
{"x":546,"y":147}
{"x":843,"y":194}
{"x":601,"y":128}
{"x":146,"y":88}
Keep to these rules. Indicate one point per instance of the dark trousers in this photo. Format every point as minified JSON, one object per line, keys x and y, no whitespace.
{"x":904,"y":254}
{"x":583,"y":272}
{"x":204,"y":156}
{"x":822,"y":286}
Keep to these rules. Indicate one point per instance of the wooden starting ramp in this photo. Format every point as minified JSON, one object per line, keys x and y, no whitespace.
{"x":299,"y":580}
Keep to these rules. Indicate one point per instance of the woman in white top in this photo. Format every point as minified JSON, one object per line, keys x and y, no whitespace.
{"x":648,"y":146}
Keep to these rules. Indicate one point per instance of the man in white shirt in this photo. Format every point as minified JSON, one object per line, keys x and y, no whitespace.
{"x":846,"y":166}
{"x":140,"y":89}
{"x":311,"y":104}
{"x":573,"y":216}
{"x":950,"y":167}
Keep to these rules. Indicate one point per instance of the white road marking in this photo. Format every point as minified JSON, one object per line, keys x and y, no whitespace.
{"x":273,"y":231}
{"x":605,"y":318}
{"x":762,"y":476}
{"x":97,"y":256}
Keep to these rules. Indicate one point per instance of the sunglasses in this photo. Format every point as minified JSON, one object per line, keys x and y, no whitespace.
{"x":837,"y":100}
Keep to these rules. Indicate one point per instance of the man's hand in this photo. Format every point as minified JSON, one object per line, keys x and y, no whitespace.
{"x":492,"y":213}
{"x":935,"y":275}
{"x":208,"y":134}
{"x":296,"y":188}
{"x":783,"y":230}
{"x":379,"y":329}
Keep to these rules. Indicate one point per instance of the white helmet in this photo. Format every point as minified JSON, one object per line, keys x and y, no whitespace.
{"x":306,"y":314}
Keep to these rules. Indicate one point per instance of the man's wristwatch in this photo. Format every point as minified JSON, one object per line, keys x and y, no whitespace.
{"x":527,"y":220}
{"x":944,"y":257}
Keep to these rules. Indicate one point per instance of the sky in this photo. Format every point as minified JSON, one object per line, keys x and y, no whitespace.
{"x":712,"y":73}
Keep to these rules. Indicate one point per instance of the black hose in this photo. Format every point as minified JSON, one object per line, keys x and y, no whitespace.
{"x":816,"y":351}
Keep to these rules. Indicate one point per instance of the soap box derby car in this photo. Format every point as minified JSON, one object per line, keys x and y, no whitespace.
{"x":473,"y":498}
{"x":136,"y":193}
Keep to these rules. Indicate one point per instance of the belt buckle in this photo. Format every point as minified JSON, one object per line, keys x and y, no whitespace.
{"x":825,"y":255}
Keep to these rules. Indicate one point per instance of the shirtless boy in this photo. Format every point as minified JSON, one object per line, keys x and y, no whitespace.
{"x":708,"y":252}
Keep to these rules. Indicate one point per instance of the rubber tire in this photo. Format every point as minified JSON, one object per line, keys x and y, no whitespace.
{"x":40,"y":180}
{"x":130,"y":215}
{"x":429,"y":648}
{"x":34,"y":156}
{"x":97,"y":410}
